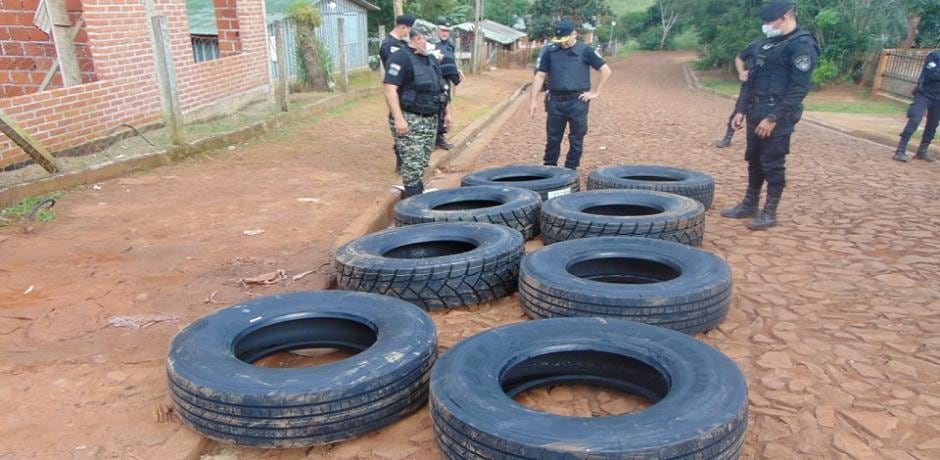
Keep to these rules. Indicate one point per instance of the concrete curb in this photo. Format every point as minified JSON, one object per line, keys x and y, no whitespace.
{"x":876,"y":138}
{"x":378,"y":215}
{"x":111,"y":169}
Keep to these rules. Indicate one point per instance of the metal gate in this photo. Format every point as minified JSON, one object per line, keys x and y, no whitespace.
{"x":898,"y":71}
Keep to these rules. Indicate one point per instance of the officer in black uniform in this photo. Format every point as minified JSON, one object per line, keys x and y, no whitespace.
{"x":926,"y":99}
{"x":567,"y":63}
{"x":396,"y":41}
{"x":742,"y":64}
{"x":771,"y":102}
{"x":450,"y":71}
{"x":415,"y":93}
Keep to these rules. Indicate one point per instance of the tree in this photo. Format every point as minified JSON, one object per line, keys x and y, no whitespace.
{"x":506,"y":11}
{"x":315,"y":64}
{"x":667,"y":19}
{"x":545,"y":13}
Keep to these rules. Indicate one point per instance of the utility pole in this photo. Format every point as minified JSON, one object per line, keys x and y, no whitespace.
{"x":398,"y":8}
{"x":476,"y":60}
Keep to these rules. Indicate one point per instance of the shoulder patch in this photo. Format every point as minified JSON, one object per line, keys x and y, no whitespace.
{"x":394,"y":69}
{"x":394,"y":49}
{"x":931,"y":65}
{"x":598,"y":53}
{"x":803,"y":62}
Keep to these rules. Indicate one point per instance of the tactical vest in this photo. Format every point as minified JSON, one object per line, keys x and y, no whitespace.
{"x":771,"y":72}
{"x":425,"y":95}
{"x":568,"y":70}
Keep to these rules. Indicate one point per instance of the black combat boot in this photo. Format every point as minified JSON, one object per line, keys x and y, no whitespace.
{"x":748,"y":207}
{"x":767,"y":217}
{"x":442,"y":142}
{"x":412,"y":190}
{"x":901,"y":153}
{"x":923,"y":153}
{"x":726,"y":142}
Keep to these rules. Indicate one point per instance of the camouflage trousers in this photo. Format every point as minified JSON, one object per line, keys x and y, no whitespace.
{"x":416,"y":146}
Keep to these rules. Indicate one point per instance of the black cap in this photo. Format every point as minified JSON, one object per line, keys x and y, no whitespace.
{"x":444,"y":23}
{"x":405,"y":20}
{"x":775,"y":9}
{"x":563,"y":29}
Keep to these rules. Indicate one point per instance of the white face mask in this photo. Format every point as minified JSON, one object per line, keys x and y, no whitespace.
{"x":770,"y":32}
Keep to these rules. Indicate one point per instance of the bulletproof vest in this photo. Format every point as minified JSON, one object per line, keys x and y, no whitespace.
{"x":425,"y":95}
{"x":569,"y":72}
{"x":929,"y":88}
{"x":447,"y":48}
{"x":771,"y":73}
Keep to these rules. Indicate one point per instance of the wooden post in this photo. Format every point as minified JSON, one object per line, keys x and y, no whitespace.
{"x":166,"y":77}
{"x":398,"y":8}
{"x":343,"y":73}
{"x":281,"y":91}
{"x":31,"y":146}
{"x":475,"y":59}
{"x":64,"y":44}
{"x":879,"y":72}
{"x":381,"y":37}
{"x":55,"y":64}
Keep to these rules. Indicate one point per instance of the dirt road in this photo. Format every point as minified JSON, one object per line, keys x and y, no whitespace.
{"x":835,"y":319}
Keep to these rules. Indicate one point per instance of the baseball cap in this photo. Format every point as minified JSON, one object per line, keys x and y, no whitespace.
{"x":405,"y":20}
{"x":444,"y":23}
{"x":563,"y":30}
{"x":775,"y":9}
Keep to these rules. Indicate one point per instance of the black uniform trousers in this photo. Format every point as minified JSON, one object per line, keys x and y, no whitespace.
{"x":766,"y":159}
{"x":571,"y":112}
{"x":922,"y":104}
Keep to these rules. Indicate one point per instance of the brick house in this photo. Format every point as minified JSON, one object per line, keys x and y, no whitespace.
{"x":115,"y":54}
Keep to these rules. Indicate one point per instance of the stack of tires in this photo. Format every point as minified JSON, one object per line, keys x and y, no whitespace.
{"x":613,"y":260}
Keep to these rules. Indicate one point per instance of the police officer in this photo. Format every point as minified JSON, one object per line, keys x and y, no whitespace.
{"x":742,"y":64}
{"x":567,"y":63}
{"x":771,"y":103}
{"x":396,"y":41}
{"x":926,"y":99}
{"x":414,"y":91}
{"x":450,"y":71}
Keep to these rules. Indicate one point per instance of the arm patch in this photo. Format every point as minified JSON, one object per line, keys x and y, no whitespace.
{"x":803,"y":62}
{"x":394,"y":69}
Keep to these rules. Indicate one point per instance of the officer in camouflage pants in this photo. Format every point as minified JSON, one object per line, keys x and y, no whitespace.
{"x":415,"y":93}
{"x":415,"y":148}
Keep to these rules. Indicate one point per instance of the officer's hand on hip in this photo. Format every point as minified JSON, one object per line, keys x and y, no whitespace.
{"x":587,"y":96}
{"x":765,"y":128}
{"x":743,"y":75}
{"x":738,"y":121}
{"x":401,"y":127}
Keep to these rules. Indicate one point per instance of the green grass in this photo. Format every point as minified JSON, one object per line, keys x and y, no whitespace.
{"x":22,"y":209}
{"x":619,"y":7}
{"x":727,"y":87}
{"x":862,"y":105}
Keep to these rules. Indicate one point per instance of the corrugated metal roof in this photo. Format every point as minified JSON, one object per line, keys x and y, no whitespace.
{"x":494,"y":31}
{"x":277,"y":9}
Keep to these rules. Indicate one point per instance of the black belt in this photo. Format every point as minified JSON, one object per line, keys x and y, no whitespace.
{"x":565,"y":96}
{"x":764,"y":99}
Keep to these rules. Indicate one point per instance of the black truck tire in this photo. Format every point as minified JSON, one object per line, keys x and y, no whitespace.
{"x":218,"y":392}
{"x":699,"y":395}
{"x":548,"y":181}
{"x":434,"y":266}
{"x":693,"y":184}
{"x":655,"y":282}
{"x":638,"y":213}
{"x":511,"y":207}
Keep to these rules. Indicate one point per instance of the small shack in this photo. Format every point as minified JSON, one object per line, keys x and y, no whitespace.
{"x":355,"y":22}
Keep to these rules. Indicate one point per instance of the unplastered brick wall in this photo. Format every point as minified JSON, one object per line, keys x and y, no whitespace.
{"x":126,"y":89}
{"x":27,"y":53}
